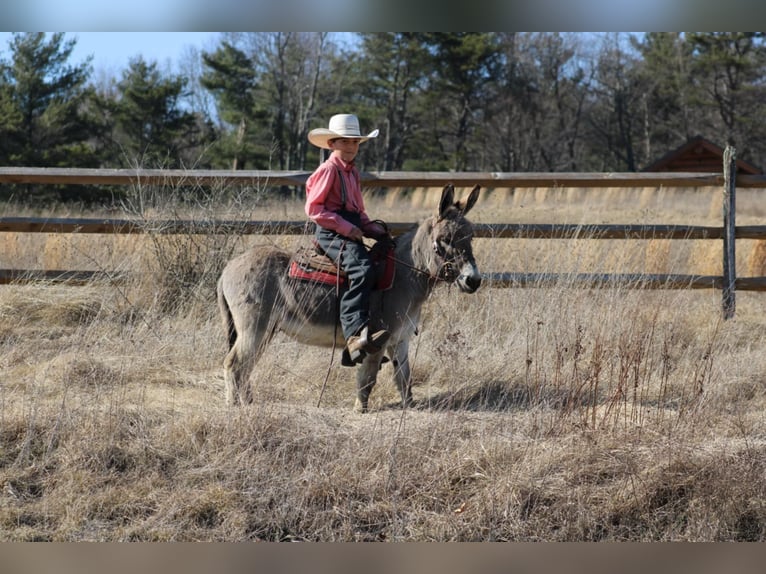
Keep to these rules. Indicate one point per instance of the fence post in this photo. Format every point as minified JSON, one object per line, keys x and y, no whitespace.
{"x":729,"y":261}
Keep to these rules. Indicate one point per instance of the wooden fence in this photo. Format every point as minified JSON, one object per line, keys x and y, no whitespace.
{"x":728,"y":283}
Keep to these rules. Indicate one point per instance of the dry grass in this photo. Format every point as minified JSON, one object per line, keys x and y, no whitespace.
{"x":549,"y":413}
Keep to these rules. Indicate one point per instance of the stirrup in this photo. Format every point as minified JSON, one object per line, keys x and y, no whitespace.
{"x":347,"y":360}
{"x":359,"y":346}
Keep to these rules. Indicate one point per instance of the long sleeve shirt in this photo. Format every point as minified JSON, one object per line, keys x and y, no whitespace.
{"x":323,"y":197}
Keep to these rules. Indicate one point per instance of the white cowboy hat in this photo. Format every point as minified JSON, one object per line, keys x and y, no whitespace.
{"x":341,"y":126}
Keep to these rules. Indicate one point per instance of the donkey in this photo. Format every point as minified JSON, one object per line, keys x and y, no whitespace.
{"x":257,"y":298}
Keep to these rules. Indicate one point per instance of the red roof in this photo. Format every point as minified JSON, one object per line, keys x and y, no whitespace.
{"x":698,"y":155}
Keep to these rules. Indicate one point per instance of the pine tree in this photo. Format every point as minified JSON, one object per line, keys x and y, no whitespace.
{"x":43,"y":100}
{"x":392,"y":68}
{"x":729,"y":68}
{"x":230,"y":77}
{"x":152,"y":128}
{"x":44,"y":114}
{"x":666,"y":67}
{"x":464,"y":65}
{"x":616,"y":118}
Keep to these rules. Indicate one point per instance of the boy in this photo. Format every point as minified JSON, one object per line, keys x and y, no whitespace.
{"x":334,"y":202}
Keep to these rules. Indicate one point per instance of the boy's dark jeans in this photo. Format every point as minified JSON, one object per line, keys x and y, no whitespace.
{"x":353,"y":258}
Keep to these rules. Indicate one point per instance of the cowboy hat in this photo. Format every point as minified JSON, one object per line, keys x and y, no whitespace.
{"x":341,"y":126}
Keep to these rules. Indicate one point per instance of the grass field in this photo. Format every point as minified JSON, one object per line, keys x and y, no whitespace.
{"x":549,"y":413}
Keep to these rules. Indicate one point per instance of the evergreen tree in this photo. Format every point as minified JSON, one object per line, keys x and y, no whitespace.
{"x":44,"y":119}
{"x":616,"y":118}
{"x":270,"y":89}
{"x":729,"y":68}
{"x":230,"y":77}
{"x":666,"y":69}
{"x":464,"y":65}
{"x":392,"y":69}
{"x":151,"y":128}
{"x":10,"y":117}
{"x":43,"y":100}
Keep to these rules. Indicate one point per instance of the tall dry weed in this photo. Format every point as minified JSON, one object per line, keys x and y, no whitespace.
{"x":184,"y":265}
{"x":557,"y":412}
{"x":706,"y":257}
{"x":756,"y":262}
{"x":657,"y":259}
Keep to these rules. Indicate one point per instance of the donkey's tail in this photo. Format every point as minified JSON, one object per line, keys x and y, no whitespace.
{"x":226,"y":317}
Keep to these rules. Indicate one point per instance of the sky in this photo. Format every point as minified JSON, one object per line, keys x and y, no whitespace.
{"x":353,"y":15}
{"x":112,"y":51}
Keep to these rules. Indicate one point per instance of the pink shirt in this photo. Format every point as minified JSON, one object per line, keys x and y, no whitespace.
{"x":323,"y":196}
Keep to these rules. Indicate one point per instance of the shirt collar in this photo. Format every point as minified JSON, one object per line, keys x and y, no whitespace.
{"x":341,"y":164}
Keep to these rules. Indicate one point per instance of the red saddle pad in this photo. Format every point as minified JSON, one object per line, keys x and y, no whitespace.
{"x":308,"y":265}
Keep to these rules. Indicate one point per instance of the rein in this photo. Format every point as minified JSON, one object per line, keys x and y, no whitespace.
{"x":431,"y":276}
{"x":390,"y":238}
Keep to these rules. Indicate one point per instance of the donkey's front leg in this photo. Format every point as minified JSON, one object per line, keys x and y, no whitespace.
{"x":366,"y":376}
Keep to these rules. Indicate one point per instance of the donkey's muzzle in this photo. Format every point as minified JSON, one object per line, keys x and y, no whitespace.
{"x":469,"y":284}
{"x":469,"y":280}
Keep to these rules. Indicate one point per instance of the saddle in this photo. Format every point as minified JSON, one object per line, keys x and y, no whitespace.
{"x":312,"y":264}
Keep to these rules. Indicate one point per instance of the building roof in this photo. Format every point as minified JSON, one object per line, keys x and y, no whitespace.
{"x":698,"y":155}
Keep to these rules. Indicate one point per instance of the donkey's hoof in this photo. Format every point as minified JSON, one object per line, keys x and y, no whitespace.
{"x":360,"y":407}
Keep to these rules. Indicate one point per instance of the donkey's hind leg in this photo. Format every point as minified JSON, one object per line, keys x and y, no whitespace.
{"x":232,"y":364}
{"x":249,"y":292}
{"x":239,"y":364}
{"x":237,"y":367}
{"x":252,"y":333}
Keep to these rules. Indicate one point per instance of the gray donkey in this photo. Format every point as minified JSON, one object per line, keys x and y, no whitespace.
{"x":257,"y":298}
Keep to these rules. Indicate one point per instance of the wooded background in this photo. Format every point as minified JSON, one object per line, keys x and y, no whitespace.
{"x":507,"y":102}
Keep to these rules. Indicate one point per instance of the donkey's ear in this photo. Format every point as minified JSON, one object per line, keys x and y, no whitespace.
{"x":447,"y":199}
{"x":471,"y":201}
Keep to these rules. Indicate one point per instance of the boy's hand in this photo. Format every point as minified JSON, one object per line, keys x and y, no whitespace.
{"x":356,"y":234}
{"x":376,"y":230}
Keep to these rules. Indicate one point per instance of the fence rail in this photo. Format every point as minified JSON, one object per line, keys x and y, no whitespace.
{"x":728,"y":180}
{"x":497,"y":280}
{"x":500,"y":180}
{"x":267,"y":227}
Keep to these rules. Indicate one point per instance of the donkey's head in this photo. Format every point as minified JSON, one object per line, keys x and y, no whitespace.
{"x":450,"y":239}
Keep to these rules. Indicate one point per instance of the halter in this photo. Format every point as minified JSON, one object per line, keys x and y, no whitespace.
{"x":442,"y":263}
{"x":446,"y":266}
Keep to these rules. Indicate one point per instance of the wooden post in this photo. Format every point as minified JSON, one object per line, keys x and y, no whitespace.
{"x":729,"y":260}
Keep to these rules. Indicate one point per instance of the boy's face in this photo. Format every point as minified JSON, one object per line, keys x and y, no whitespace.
{"x":346,"y":148}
